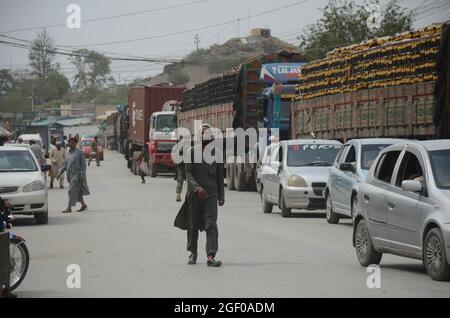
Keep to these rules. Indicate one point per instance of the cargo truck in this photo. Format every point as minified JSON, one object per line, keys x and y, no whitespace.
{"x":389,"y":87}
{"x":149,"y":124}
{"x":254,"y":95}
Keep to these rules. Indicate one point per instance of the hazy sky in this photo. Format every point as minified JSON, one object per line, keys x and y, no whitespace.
{"x":190,"y":14}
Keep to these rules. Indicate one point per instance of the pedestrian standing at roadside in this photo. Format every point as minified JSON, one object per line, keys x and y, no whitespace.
{"x":94,"y":152}
{"x":57,"y":157}
{"x":143,"y":161}
{"x":75,"y":168}
{"x":199,"y":211}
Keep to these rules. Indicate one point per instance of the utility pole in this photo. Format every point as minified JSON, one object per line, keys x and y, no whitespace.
{"x":196,"y":41}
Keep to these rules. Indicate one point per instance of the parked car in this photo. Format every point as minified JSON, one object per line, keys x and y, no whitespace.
{"x":297,"y":174}
{"x":23,"y":182}
{"x":263,"y":165}
{"x":404,"y":206}
{"x":86,"y":144}
{"x":349,"y":169}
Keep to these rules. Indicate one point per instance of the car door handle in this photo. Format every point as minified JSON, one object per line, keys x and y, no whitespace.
{"x":391,"y":205}
{"x":366,"y":198}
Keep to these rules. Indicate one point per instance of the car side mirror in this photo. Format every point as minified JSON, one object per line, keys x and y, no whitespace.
{"x":412,"y":186}
{"x":46,"y":168}
{"x":347,"y":166}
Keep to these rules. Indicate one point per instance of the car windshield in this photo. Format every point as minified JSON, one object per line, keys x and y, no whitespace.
{"x":312,"y":155}
{"x":16,"y":161}
{"x":165,"y":123}
{"x":441,"y":169}
{"x":369,"y":154}
{"x":86,"y":143}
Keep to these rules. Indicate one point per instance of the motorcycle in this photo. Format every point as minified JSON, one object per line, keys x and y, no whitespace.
{"x":18,"y":251}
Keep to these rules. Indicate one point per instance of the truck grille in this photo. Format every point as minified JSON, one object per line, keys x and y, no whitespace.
{"x":165,"y":147}
{"x":8,"y":189}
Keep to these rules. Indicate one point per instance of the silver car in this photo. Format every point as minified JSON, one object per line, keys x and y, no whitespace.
{"x":350,"y":168}
{"x":404,"y":206}
{"x":297,"y":174}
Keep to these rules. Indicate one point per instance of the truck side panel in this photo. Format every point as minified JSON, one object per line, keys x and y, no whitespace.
{"x":399,"y":111}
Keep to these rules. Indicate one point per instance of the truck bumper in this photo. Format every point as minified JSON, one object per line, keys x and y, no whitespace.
{"x":163,"y":159}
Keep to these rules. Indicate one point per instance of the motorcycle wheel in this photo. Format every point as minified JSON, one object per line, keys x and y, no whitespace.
{"x":20,"y":260}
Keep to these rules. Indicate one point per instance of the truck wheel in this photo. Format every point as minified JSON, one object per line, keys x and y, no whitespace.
{"x":239,"y":177}
{"x":230,"y":177}
{"x":134,"y":167}
{"x":153,"y":170}
{"x":285,"y":211}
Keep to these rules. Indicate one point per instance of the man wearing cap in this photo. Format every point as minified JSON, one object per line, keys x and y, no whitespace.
{"x":57,"y":157}
{"x":75,"y":167}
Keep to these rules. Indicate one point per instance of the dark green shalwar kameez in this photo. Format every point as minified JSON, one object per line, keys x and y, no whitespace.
{"x":201,"y":214}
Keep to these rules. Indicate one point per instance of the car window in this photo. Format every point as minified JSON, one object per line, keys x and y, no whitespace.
{"x":410,"y":169}
{"x":351,"y":155}
{"x":368,"y":155}
{"x":386,"y":165}
{"x":312,"y":155}
{"x":343,"y":154}
{"x":17,"y":161}
{"x":441,"y":169}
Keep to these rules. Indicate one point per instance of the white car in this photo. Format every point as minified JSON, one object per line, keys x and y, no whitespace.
{"x":22,"y":182}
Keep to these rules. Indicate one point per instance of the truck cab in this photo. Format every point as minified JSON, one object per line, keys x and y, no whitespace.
{"x":161,"y":141}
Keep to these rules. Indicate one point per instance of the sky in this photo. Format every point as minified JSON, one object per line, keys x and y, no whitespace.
{"x":164,"y":27}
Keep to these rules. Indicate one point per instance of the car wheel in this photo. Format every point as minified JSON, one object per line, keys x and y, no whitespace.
{"x":285,"y":211}
{"x":41,"y":217}
{"x":366,"y":253}
{"x":266,"y":206}
{"x":435,"y":258}
{"x":332,"y":218}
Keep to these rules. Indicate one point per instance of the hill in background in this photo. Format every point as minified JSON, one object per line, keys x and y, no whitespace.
{"x":204,"y":64}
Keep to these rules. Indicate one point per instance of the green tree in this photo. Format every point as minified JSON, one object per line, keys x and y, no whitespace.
{"x":6,"y":82}
{"x":344,"y":22}
{"x":178,"y":76}
{"x":93,"y":72}
{"x":42,"y":55}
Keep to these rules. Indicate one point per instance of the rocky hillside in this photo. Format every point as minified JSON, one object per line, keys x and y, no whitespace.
{"x":203,"y":64}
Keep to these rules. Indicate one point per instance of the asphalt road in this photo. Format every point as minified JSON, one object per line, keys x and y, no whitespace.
{"x":126,"y":246}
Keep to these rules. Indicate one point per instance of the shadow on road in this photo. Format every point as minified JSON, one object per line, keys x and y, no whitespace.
{"x":412,"y":268}
{"x":306,"y":215}
{"x":52,"y":220}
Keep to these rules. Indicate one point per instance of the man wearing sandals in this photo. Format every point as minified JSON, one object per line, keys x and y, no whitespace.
{"x":75,"y":168}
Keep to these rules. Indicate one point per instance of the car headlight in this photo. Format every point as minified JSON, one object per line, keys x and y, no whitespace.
{"x":34,"y":186}
{"x":296,"y":181}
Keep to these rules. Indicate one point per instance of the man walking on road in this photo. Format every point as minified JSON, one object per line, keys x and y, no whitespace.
{"x":199,"y":211}
{"x":94,"y":152}
{"x":57,"y":158}
{"x":75,"y":168}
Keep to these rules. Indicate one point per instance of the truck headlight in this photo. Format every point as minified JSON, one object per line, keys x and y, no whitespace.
{"x":34,"y":186}
{"x":296,"y":181}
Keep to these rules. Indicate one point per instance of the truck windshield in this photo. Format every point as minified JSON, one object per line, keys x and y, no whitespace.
{"x":312,"y":155}
{"x":369,"y":153}
{"x":16,"y":161}
{"x":165,"y":123}
{"x":441,"y":168}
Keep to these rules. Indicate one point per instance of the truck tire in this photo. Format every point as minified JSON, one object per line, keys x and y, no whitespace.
{"x":239,"y":177}
{"x":134,"y":167}
{"x":230,"y":177}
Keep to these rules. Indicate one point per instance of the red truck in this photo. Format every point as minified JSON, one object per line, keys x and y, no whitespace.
{"x":150,"y":125}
